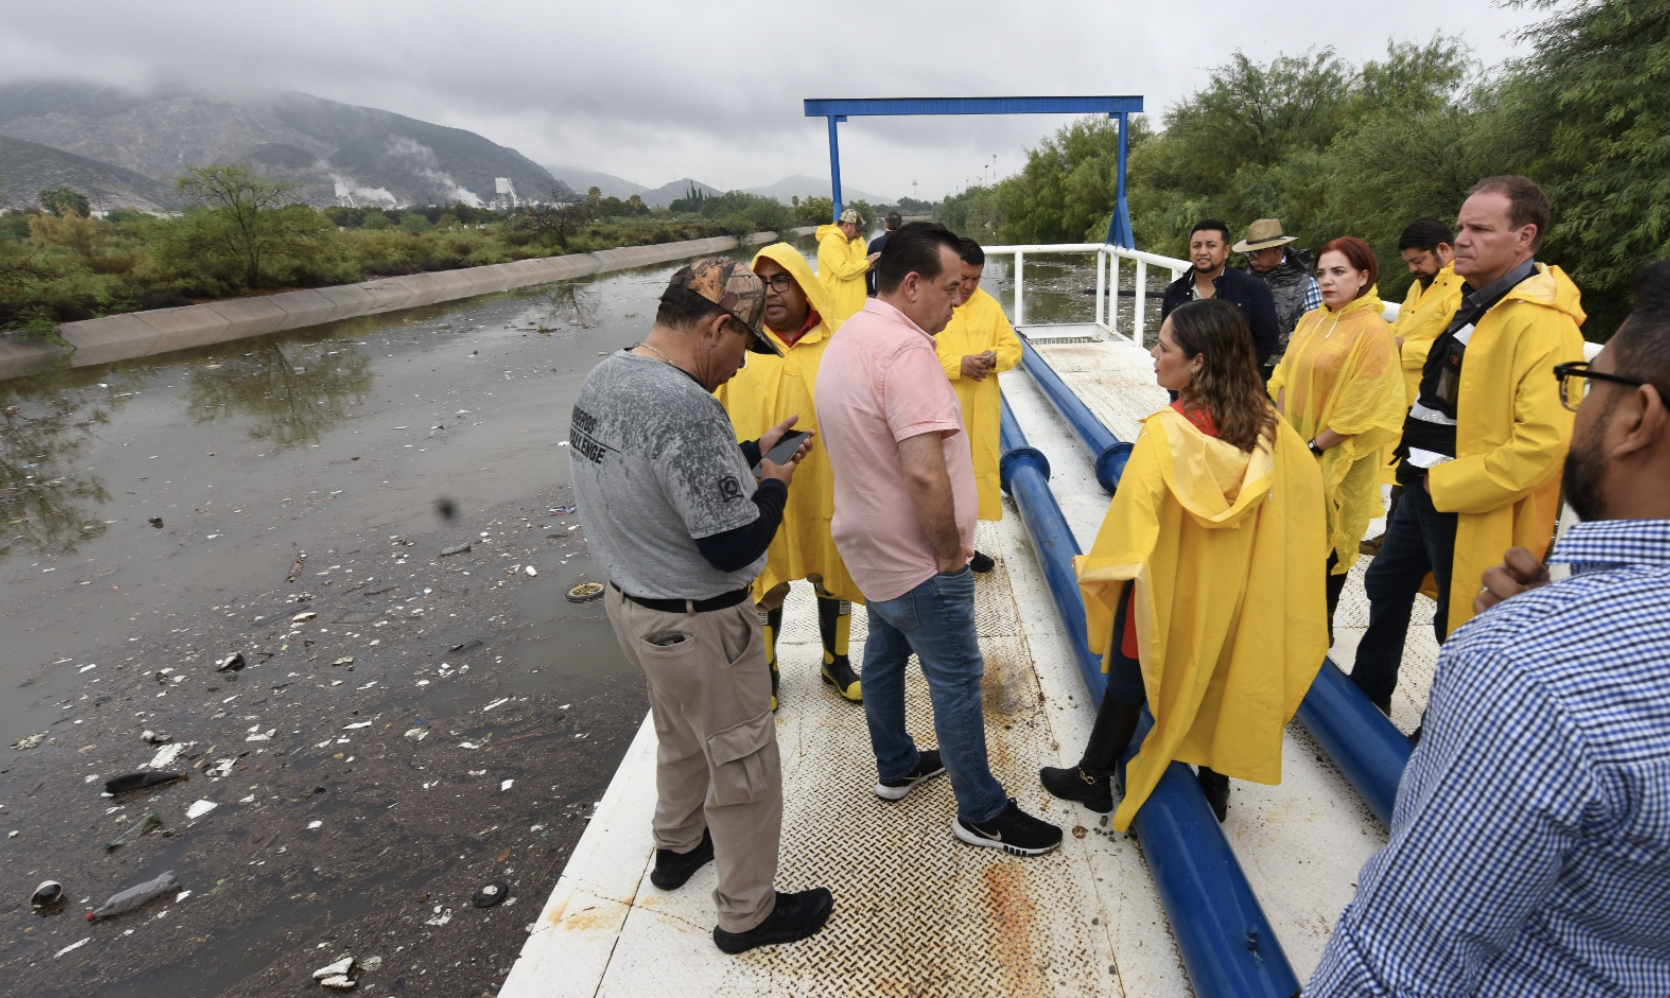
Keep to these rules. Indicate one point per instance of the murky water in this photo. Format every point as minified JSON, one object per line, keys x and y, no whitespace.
{"x":132,"y":492}
{"x":1061,"y":290}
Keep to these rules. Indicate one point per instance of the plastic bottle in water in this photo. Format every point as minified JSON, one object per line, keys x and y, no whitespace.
{"x":133,"y":897}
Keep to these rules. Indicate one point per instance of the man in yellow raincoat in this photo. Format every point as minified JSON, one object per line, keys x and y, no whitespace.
{"x":842,"y":263}
{"x":1224,"y":547}
{"x":1428,"y":250}
{"x":1485,"y":439}
{"x":764,"y":393}
{"x":978,"y":343}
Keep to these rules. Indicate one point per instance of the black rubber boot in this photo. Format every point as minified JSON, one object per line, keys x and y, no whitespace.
{"x":835,"y":628}
{"x":1091,"y":781}
{"x":1215,"y":786}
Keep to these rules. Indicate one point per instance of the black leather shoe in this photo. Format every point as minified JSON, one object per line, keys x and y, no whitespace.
{"x":981,"y":562}
{"x":1216,"y":787}
{"x":1073,"y":783}
{"x":795,"y":917}
{"x":672,"y":869}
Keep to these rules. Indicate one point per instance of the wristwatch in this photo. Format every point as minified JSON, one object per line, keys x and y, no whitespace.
{"x":1313,"y":448}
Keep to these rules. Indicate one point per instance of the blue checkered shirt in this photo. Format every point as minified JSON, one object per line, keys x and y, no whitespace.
{"x":1530,"y":845}
{"x":1313,"y":296}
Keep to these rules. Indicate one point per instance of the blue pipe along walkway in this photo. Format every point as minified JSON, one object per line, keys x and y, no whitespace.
{"x":1368,"y":749}
{"x":1227,"y":944}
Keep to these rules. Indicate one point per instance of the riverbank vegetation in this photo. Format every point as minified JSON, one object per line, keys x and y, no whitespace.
{"x":246,"y":235}
{"x":1335,"y":149}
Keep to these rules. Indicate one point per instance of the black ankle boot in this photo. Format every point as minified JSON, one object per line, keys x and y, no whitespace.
{"x":1215,"y":786}
{"x":1092,"y":790}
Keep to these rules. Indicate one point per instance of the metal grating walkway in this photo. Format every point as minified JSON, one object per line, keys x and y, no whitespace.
{"x":918,"y":913}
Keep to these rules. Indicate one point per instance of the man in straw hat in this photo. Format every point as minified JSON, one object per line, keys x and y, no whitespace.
{"x":1286,"y":272}
{"x":673,"y":513}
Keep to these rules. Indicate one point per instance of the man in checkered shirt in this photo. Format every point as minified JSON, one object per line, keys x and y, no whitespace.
{"x":1530,"y":846}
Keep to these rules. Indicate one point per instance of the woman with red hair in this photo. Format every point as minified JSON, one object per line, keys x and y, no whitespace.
{"x":1340,"y":386}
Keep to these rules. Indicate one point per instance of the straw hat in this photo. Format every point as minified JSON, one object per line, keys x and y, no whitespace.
{"x":1263,"y":234}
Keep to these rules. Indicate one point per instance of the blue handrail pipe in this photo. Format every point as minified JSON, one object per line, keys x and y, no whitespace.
{"x":1227,"y":944}
{"x":1363,"y":742}
{"x":1107,"y":451}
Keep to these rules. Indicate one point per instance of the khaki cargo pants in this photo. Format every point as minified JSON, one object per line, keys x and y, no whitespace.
{"x":716,"y":762}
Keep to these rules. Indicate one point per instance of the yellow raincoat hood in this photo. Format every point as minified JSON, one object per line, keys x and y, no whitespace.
{"x":1230,"y":613}
{"x":763,"y":394}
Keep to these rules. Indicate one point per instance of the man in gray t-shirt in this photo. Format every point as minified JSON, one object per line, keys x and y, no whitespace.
{"x":672,"y":511}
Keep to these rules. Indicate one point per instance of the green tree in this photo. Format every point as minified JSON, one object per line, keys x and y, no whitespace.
{"x":1587,"y":116}
{"x":248,"y":218}
{"x":814,"y":210}
{"x":62,"y":201}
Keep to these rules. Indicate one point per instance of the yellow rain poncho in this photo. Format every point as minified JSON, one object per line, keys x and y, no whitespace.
{"x":1230,"y":613}
{"x":976,"y":326}
{"x":766,"y":392}
{"x":1511,"y":432}
{"x":842,"y":263}
{"x":1341,"y":372}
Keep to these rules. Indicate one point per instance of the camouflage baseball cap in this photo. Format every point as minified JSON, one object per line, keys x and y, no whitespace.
{"x":853,"y":215}
{"x":734,"y":288}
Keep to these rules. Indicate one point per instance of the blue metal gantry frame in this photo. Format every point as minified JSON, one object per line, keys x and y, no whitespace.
{"x":1120,"y":108}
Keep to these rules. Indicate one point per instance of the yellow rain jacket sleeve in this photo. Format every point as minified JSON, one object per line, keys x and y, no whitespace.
{"x":1512,"y":433}
{"x":976,"y":326}
{"x":1230,"y":612}
{"x":766,"y":392}
{"x":842,"y":264}
{"x":1425,"y":314}
{"x":1341,"y":372}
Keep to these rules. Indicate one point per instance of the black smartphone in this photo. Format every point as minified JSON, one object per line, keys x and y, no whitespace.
{"x":785,"y":448}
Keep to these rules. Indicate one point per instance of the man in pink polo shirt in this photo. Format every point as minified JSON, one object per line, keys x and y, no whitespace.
{"x":905,"y":507}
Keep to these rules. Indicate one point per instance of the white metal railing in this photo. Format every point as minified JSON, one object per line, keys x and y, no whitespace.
{"x":1109,"y":260}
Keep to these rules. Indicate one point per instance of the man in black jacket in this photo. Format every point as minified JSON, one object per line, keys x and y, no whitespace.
{"x":1211,"y":278}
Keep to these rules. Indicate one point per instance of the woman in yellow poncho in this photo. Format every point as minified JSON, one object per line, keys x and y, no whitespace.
{"x":1340,"y":386}
{"x":1201,"y":591}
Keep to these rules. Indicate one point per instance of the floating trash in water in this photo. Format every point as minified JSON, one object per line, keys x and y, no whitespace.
{"x":133,"y":897}
{"x":49,"y":893}
{"x":168,"y":755}
{"x":344,"y":660}
{"x":139,"y":781}
{"x":144,"y":826}
{"x":156,"y":738}
{"x":490,"y":894}
{"x":156,"y":521}
{"x":231,"y":663}
{"x":531,"y":570}
{"x":417,"y":734}
{"x":303,"y":617}
{"x":33,"y":741}
{"x":200,"y":808}
{"x":456,"y":549}
{"x":74,"y":946}
{"x":585,"y":592}
{"x":221,"y":768}
{"x":506,"y":785}
{"x":562,"y":510}
{"x":337,"y":969}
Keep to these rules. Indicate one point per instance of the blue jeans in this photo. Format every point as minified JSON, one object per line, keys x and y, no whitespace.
{"x":936,"y":621}
{"x":1419,"y":539}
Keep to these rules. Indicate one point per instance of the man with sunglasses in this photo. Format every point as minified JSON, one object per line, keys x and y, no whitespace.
{"x":1530,"y":847}
{"x":799,"y":322}
{"x":672,"y":512}
{"x":1483,"y":442}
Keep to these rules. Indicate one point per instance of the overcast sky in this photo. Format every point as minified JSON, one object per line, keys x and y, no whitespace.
{"x":651,"y":90}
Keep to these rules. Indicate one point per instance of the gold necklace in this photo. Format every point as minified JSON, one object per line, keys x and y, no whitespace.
{"x":658,"y":353}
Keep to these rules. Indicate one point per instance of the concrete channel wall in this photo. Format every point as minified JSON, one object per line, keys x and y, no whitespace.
{"x":143,"y":334}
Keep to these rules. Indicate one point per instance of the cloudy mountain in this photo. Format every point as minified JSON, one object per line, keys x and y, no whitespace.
{"x":27,"y":168}
{"x":333,"y":150}
{"x":582,"y":180}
